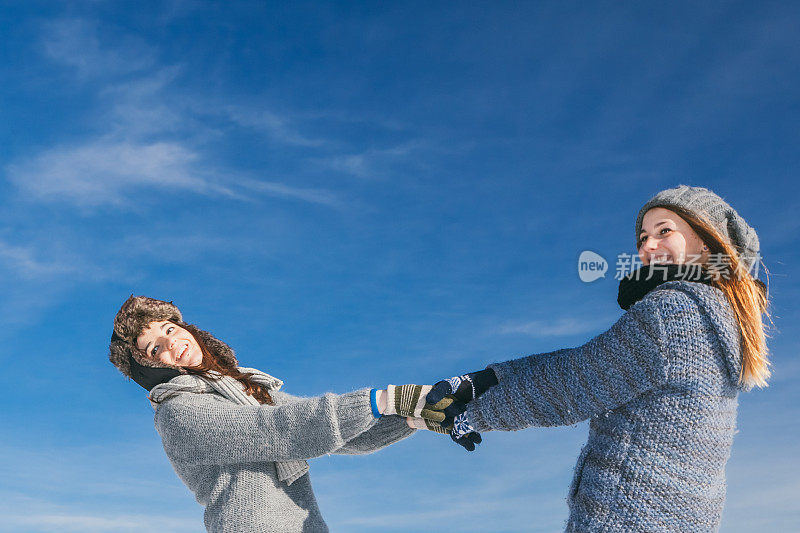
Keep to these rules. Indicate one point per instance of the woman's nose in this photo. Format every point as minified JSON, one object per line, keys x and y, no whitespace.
{"x":648,"y":244}
{"x":170,"y":343}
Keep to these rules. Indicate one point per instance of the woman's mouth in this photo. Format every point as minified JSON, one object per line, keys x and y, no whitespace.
{"x":183,"y":352}
{"x":661,"y":259}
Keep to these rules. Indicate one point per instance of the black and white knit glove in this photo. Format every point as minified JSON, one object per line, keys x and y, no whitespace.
{"x":464,"y":434}
{"x":461,"y":390}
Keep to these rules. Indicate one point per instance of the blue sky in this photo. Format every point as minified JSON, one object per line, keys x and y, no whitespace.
{"x":360,"y":194}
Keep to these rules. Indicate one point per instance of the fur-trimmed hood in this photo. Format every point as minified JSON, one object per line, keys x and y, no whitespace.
{"x":134,"y":316}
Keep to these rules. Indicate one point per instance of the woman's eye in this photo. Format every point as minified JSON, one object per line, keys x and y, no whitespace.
{"x":155,"y":349}
{"x":665,"y":229}
{"x":169,"y":329}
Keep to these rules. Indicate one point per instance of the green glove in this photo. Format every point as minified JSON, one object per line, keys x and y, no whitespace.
{"x":409,"y":400}
{"x":468,"y":439}
{"x":421,"y":423}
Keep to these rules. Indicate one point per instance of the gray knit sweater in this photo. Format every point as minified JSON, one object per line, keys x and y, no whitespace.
{"x":660,"y":388}
{"x":226,"y":453}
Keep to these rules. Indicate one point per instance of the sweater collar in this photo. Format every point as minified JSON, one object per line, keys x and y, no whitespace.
{"x":638,"y":283}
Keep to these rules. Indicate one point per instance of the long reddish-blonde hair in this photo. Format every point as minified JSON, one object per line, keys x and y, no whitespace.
{"x":748,"y":297}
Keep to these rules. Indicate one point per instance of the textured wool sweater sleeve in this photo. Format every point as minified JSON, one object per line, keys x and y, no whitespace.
{"x":207,"y":429}
{"x":570,"y":385}
{"x":387,"y":430}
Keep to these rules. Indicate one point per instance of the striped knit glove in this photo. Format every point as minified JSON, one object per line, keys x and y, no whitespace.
{"x":409,"y":400}
{"x":467,"y":436}
{"x":421,"y":423}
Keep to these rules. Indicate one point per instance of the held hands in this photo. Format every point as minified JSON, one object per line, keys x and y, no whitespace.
{"x":461,"y":390}
{"x":409,"y":401}
{"x":439,"y":408}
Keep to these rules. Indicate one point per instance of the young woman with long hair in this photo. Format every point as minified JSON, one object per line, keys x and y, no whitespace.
{"x":659,"y":387}
{"x":235,"y":439}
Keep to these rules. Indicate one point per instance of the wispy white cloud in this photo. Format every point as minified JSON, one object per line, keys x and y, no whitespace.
{"x":559,"y":327}
{"x":76,"y":43}
{"x":35,"y":520}
{"x":37,"y":267}
{"x":355,"y":164}
{"x":103,"y":171}
{"x":277,"y":128}
{"x":149,"y":139}
{"x":281,"y":190}
{"x":107,"y":171}
{"x":24,"y":301}
{"x":145,"y":106}
{"x":186,"y":249}
{"x":376,"y":162}
{"x":25,"y":262}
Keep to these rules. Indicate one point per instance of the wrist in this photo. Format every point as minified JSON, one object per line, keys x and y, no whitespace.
{"x":377,"y":400}
{"x":373,"y":403}
{"x":381,"y":398}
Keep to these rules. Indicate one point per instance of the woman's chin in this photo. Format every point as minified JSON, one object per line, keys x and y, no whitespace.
{"x":193,"y":361}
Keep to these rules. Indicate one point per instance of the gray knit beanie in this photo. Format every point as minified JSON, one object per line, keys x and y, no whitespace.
{"x":710,"y":207}
{"x":134,"y":316}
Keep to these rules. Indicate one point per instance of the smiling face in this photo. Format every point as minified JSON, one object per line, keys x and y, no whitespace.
{"x":170,"y":344}
{"x":667,"y":238}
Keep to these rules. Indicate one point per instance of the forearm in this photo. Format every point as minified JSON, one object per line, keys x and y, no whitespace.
{"x":386,"y":431}
{"x":528,"y":393}
{"x":206,"y":431}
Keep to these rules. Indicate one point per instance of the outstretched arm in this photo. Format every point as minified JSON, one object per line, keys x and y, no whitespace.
{"x":206,"y":429}
{"x":570,"y":385}
{"x":386,"y":430}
